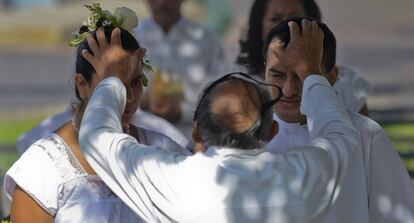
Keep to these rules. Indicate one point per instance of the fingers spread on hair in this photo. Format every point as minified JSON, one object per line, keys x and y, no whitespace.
{"x":103,"y":42}
{"x":294,"y":31}
{"x":116,"y":36}
{"x":88,"y":56}
{"x":92,"y":44}
{"x":306,"y":29}
{"x":315,"y":29}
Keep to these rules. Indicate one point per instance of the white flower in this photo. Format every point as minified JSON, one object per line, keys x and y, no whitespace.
{"x":130,"y":17}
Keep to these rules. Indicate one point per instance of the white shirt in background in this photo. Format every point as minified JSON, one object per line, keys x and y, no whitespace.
{"x":222,"y":184}
{"x":189,"y":51}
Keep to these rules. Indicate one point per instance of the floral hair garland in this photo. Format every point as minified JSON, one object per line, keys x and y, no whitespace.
{"x":123,"y":17}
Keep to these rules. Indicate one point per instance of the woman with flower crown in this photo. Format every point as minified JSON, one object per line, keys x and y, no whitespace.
{"x":52,"y":181}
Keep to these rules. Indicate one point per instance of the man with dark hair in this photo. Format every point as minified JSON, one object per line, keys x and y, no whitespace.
{"x":352,"y":88}
{"x":233,"y":179}
{"x":377,"y":188}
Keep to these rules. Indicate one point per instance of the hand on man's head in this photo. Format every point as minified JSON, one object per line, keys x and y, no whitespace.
{"x":109,"y":58}
{"x":303,"y":54}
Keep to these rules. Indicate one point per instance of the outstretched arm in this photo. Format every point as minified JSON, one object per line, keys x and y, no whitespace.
{"x":109,"y":151}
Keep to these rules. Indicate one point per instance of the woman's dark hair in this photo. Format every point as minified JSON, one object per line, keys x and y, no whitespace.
{"x":251,"y":48}
{"x":129,"y":43}
{"x":282,"y":32}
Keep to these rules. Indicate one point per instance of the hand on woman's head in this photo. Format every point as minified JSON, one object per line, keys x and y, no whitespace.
{"x":109,"y":58}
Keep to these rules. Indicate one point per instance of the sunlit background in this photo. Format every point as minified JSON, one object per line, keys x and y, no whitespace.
{"x":375,"y":37}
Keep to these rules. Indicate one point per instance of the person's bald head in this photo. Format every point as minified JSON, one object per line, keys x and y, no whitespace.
{"x":236,"y":104}
{"x":229,"y":115}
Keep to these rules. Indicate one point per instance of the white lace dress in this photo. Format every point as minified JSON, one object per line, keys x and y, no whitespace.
{"x":49,"y":172}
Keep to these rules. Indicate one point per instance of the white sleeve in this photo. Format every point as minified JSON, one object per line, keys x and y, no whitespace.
{"x":331,"y":130}
{"x":112,"y":154}
{"x":37,"y":175}
{"x":391,"y":190}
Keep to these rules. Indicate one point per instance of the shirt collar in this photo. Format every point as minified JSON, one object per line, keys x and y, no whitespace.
{"x":288,"y":126}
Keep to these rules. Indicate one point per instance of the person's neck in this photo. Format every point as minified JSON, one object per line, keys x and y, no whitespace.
{"x":166,"y":25}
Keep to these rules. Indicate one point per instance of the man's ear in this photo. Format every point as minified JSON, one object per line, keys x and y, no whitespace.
{"x":198,"y":141}
{"x":195,"y":133}
{"x":274,"y":130}
{"x":82,"y":85}
{"x":332,"y":75}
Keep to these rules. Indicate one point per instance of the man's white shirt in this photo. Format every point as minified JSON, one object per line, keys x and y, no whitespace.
{"x":222,"y":184}
{"x":376,"y":189}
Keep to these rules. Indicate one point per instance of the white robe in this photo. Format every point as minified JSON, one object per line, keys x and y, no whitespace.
{"x":222,"y":184}
{"x":377,"y":188}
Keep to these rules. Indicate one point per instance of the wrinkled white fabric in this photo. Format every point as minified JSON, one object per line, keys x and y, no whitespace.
{"x":377,"y":187}
{"x":222,"y":184}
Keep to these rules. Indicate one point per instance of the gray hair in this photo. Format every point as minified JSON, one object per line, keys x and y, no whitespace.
{"x":215,"y":132}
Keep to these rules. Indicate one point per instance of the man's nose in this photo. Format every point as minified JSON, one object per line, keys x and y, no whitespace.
{"x":291,"y":87}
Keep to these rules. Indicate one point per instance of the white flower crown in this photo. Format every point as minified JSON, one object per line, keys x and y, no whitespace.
{"x":123,"y":17}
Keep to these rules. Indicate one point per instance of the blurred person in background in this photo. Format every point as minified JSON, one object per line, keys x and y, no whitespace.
{"x":267,"y":14}
{"x":185,"y":55}
{"x":377,"y":187}
{"x":52,"y":181}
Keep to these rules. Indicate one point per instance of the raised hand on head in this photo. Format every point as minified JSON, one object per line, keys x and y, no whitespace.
{"x":109,"y":58}
{"x":303,"y":54}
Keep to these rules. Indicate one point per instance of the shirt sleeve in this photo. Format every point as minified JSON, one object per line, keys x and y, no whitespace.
{"x":104,"y":147}
{"x":37,"y":175}
{"x":331,"y":131}
{"x":391,"y":190}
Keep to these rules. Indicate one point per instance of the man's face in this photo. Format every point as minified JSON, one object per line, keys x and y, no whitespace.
{"x":165,"y":10}
{"x":288,"y":108}
{"x":279,"y":10}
